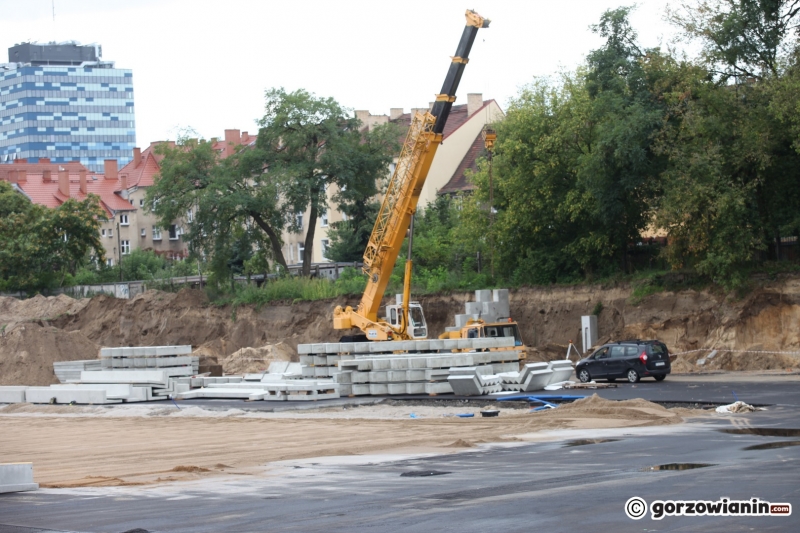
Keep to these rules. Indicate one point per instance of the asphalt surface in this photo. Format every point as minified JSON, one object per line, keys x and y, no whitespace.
{"x":552,"y":486}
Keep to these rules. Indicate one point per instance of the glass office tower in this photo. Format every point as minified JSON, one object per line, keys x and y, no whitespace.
{"x":62,"y":102}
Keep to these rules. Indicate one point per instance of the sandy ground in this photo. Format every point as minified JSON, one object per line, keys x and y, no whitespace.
{"x":91,"y":446}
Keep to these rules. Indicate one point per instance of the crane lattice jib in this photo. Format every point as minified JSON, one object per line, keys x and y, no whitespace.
{"x":399,"y":190}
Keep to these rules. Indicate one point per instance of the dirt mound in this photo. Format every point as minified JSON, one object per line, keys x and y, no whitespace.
{"x":595,"y":407}
{"x":256,"y":359}
{"x":39,"y":307}
{"x":28,"y":351}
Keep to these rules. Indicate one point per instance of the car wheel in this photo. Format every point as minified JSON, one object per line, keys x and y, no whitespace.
{"x":661,"y":377}
{"x":584,"y":376}
{"x":633,"y":376}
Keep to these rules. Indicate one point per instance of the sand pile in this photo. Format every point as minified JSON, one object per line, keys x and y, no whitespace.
{"x":636,"y":411}
{"x":14,"y":310}
{"x":28,"y":351}
{"x":255,"y":359}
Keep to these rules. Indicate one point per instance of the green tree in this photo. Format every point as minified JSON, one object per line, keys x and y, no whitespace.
{"x":39,"y":247}
{"x":740,"y":38}
{"x":309,"y":143}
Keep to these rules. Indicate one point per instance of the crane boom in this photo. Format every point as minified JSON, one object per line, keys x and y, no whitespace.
{"x":400,"y":202}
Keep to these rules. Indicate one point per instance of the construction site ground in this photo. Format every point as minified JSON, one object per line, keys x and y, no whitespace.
{"x":336,"y":465}
{"x":225,"y":466}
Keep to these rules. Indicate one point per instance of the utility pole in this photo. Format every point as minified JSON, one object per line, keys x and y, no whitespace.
{"x":489,"y":138}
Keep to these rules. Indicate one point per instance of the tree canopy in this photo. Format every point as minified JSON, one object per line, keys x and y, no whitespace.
{"x":39,"y":247}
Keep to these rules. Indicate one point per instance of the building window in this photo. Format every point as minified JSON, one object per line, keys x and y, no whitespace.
{"x":324,"y":219}
{"x":174,"y":232}
{"x":299,"y":219}
{"x":324,"y":248}
{"x":141,"y":202}
{"x":110,"y":233}
{"x":156,"y":233}
{"x":301,"y":252}
{"x":103,"y":232}
{"x":123,"y":220}
{"x":125,"y":246}
{"x":344,"y":217}
{"x":144,"y":232}
{"x":109,"y":262}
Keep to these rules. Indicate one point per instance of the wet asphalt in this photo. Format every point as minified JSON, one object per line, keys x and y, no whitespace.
{"x":577,"y":481}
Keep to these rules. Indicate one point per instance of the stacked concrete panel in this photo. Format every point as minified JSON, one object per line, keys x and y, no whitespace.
{"x":268,"y":389}
{"x":102,"y":387}
{"x":69,"y":371}
{"x":490,"y":306}
{"x":175,"y":360}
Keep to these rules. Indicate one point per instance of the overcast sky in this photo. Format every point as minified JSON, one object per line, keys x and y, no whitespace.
{"x":205,"y":64}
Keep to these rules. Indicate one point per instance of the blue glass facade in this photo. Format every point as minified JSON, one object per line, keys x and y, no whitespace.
{"x":67,"y":113}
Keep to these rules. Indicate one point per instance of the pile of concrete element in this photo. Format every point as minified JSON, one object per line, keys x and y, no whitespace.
{"x":121,"y":375}
{"x":537,"y":376}
{"x":100,"y":387}
{"x":489,"y":306}
{"x":283,"y":381}
{"x":477,"y":381}
{"x":405,"y":367}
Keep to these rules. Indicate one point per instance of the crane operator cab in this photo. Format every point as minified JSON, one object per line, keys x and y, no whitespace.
{"x":417,"y":328}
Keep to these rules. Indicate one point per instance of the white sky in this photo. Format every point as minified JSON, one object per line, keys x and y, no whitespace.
{"x":205,"y":64}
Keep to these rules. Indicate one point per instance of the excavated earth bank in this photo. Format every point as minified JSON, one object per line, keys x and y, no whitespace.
{"x":767,"y":319}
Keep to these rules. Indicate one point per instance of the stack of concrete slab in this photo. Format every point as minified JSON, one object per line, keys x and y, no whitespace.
{"x":174,"y":360}
{"x":536,"y":376}
{"x":269,"y":389}
{"x":100,"y":387}
{"x":418,"y":373}
{"x":489,"y":306}
{"x":322,"y":365}
{"x":70,"y":371}
{"x":17,"y":477}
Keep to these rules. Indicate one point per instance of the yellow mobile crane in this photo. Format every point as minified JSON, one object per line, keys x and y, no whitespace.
{"x":405,"y":321}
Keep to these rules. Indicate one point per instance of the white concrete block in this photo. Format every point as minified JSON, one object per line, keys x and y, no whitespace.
{"x":65,"y":396}
{"x":438,"y":388}
{"x":114,"y":391}
{"x":465,"y":385}
{"x":12,"y":394}
{"x":125,"y":376}
{"x":537,"y":380}
{"x":360,"y":389}
{"x":17,"y":477}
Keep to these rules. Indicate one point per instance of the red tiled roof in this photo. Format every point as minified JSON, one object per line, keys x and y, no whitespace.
{"x":48,"y":194}
{"x":458,"y":181}
{"x":36,"y":168}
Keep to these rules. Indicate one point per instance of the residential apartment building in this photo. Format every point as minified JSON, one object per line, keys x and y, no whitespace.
{"x":63,"y":103}
{"x":455,"y":159}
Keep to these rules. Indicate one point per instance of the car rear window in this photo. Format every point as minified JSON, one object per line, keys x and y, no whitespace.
{"x":658,"y":349}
